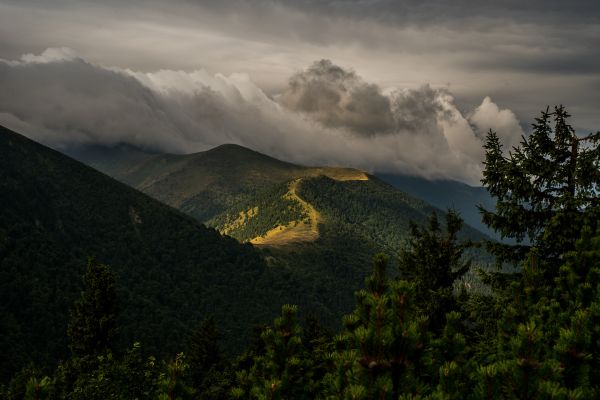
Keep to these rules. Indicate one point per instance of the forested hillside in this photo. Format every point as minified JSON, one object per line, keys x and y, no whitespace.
{"x":172,"y":271}
{"x":201,"y":184}
{"x":447,"y":194}
{"x":302,"y":217}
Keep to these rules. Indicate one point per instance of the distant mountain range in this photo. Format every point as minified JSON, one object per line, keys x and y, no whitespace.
{"x":205,"y":184}
{"x":448,"y":194}
{"x":284,"y":207}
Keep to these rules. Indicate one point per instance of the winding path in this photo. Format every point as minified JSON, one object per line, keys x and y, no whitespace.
{"x":306,"y":230}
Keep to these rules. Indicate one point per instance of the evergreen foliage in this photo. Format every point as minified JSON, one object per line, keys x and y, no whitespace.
{"x":171,"y":383}
{"x":433,"y":261}
{"x":92,"y":326}
{"x":546,"y":188}
{"x":382,"y":348}
{"x":284,"y":370}
{"x":548,"y":338}
{"x":210,"y":373}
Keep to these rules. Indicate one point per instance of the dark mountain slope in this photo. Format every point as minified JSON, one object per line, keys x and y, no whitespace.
{"x":172,"y":271}
{"x":325,"y":224}
{"x":447,"y":194}
{"x":201,"y":184}
{"x":257,"y":198}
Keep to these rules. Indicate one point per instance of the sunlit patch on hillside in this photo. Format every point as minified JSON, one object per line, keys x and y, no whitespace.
{"x":305,"y":230}
{"x":340,"y":174}
{"x":242,"y":218}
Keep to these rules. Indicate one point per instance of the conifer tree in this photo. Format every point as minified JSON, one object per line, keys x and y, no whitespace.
{"x":450,"y":361}
{"x":433,"y":261}
{"x":209,"y":372}
{"x":546,"y":188}
{"x":382,"y":350}
{"x":284,"y":371}
{"x":93,"y":323}
{"x":172,"y":382}
{"x":317,"y":341}
{"x":549,"y":336}
{"x":547,"y":192}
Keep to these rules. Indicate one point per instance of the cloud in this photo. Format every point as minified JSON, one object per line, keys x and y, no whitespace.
{"x":504,"y":122}
{"x":526,"y":55}
{"x":339,"y":98}
{"x":67,"y":101}
{"x":327,"y":115}
{"x":52,"y":54}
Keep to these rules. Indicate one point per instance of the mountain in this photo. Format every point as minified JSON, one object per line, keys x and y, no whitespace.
{"x":172,"y":271}
{"x":446,"y":194}
{"x":310,"y":216}
{"x":208,"y":183}
{"x":200,"y":184}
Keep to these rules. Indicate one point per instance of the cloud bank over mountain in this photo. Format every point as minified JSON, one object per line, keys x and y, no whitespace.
{"x":327,"y":114}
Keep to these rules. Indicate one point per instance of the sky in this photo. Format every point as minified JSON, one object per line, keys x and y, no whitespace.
{"x":387,"y":86}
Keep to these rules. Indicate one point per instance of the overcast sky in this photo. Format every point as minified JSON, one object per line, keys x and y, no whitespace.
{"x":358,"y":80}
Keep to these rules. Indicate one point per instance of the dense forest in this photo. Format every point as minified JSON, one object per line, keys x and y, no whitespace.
{"x":171,"y":271}
{"x":413,"y":334}
{"x":259,"y":213}
{"x":245,"y":194}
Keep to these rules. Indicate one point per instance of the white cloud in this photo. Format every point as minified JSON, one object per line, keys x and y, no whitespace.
{"x":52,"y":54}
{"x":62,"y":100}
{"x":504,"y":122}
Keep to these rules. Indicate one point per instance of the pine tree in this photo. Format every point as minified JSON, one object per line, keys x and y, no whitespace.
{"x":209,"y":372}
{"x":382,"y":350}
{"x":172,"y":382}
{"x":549,"y":336}
{"x":450,"y":359}
{"x":318,"y":345}
{"x":284,"y":371}
{"x":38,"y":389}
{"x":93,"y":323}
{"x":433,"y":261}
{"x":546,"y":189}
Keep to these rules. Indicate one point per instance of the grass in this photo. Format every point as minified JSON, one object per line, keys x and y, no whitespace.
{"x":305,"y":230}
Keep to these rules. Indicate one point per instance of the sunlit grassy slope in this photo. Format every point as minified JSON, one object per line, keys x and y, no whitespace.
{"x":304,"y":229}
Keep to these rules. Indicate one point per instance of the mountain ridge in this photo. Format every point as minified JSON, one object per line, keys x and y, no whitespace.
{"x":172,"y":271}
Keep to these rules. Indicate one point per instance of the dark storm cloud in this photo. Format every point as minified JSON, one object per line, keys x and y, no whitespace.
{"x":66,"y":100}
{"x":339,"y":98}
{"x":569,"y":62}
{"x":426,"y":12}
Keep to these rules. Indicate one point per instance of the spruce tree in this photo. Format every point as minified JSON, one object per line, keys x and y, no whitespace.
{"x":433,"y":261}
{"x":93,"y":324}
{"x":546,"y":188}
{"x":284,"y":370}
{"x":547,"y":192}
{"x":382,"y":349}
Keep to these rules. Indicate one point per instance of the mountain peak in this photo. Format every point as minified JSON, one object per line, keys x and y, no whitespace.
{"x":240,"y":154}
